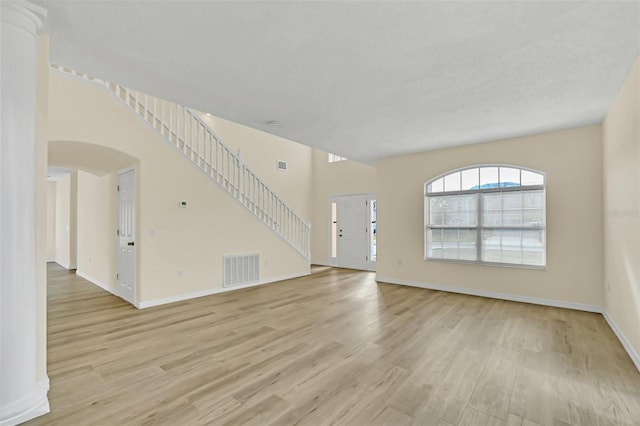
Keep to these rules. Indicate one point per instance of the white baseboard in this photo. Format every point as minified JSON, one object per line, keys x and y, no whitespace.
{"x":623,"y":339}
{"x":495,"y":295}
{"x":96,"y":282}
{"x":209,"y":292}
{"x":526,"y":299}
{"x":29,"y":407}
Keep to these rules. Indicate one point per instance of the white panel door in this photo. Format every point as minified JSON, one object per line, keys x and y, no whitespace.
{"x":126,"y":235}
{"x":352,"y":236}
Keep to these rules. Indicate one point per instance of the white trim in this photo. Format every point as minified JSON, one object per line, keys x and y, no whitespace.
{"x":479,"y":166}
{"x":96,"y":282}
{"x":29,"y":407}
{"x":371,"y":265}
{"x":496,"y":295}
{"x":130,"y":169}
{"x":24,"y":15}
{"x":479,"y":227}
{"x":484,"y":263}
{"x":209,"y":292}
{"x":623,"y":339}
{"x":330,"y":260}
{"x":635,"y":357}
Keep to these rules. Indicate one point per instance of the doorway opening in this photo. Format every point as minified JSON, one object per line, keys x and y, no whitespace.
{"x":86,"y":213}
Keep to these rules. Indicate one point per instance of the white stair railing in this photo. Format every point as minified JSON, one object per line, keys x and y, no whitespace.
{"x":195,"y":140}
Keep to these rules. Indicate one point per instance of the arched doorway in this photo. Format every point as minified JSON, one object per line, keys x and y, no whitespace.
{"x":83,"y":188}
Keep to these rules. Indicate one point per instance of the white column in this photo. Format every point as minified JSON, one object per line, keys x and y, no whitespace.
{"x":22,"y":397}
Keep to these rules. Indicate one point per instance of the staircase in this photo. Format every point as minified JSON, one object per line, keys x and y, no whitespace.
{"x":194,"y":139}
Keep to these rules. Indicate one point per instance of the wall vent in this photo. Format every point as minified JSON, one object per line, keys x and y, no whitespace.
{"x":282,"y":165}
{"x":240,"y":269}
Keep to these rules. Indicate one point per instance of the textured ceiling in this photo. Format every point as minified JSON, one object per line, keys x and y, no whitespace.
{"x":365,"y":80}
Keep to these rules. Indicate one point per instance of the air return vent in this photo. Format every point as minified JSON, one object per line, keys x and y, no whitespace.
{"x":282,"y":165}
{"x":240,"y":269}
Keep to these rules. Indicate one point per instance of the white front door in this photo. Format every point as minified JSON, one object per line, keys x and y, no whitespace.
{"x":126,"y":235}
{"x":349,"y":232}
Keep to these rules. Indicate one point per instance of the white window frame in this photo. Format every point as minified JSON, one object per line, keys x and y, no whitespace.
{"x":333,"y":158}
{"x":479,"y":227}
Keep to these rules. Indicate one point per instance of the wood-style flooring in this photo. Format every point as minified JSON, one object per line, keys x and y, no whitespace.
{"x":331,"y":348}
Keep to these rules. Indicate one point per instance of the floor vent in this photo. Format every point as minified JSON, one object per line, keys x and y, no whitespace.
{"x":240,"y":269}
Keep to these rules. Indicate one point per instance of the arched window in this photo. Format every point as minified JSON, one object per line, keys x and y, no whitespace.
{"x":487,"y":214}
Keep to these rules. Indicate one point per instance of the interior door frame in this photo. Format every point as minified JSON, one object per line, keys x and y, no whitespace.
{"x":371,"y":265}
{"x":135,"y":233}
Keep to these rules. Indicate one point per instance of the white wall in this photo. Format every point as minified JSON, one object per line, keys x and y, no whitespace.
{"x":51,"y":221}
{"x":621,"y":133}
{"x":340,"y":177}
{"x":572,"y":163}
{"x":97,"y":204}
{"x":179,"y":251}
{"x":42,"y":116}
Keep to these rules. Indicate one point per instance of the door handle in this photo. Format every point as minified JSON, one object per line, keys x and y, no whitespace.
{"x":131,"y":243}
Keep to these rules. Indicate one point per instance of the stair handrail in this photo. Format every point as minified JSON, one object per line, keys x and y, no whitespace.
{"x":237,"y":178}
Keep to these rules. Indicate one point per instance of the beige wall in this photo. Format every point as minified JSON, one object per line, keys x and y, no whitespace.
{"x":572,"y":163}
{"x":66,"y":220}
{"x":62,"y":220}
{"x":621,"y":134}
{"x":169,"y":239}
{"x":97,"y":201}
{"x":309,"y":180}
{"x":341,"y":177}
{"x":261,"y":151}
{"x":51,"y":221}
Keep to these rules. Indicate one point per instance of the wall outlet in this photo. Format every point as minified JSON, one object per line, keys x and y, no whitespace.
{"x":399,"y":263}
{"x":609,"y":286}
{"x":180,"y":273}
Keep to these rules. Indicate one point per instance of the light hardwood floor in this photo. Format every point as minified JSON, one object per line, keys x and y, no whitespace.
{"x":332,"y":348}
